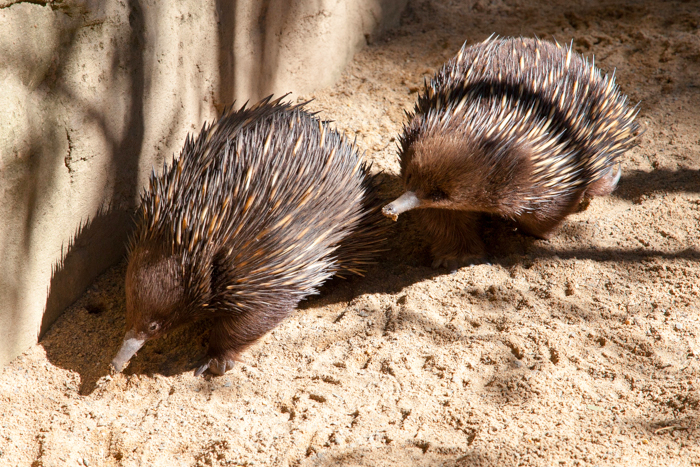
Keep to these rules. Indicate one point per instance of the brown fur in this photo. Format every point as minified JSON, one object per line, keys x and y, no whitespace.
{"x":259,"y":210}
{"x":455,"y":189}
{"x":153,"y":283}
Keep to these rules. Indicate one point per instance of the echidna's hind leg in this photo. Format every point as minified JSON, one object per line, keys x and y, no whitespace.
{"x":537,"y":226}
{"x":231,"y":335}
{"x":606,"y":184}
{"x":601,"y":187}
{"x":454,"y":237}
{"x":543,"y":222}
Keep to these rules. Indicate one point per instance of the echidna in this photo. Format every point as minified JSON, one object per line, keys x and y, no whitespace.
{"x":256,"y":213}
{"x":521,"y":128}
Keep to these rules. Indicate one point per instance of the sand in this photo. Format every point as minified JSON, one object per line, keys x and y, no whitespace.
{"x":581,"y":350}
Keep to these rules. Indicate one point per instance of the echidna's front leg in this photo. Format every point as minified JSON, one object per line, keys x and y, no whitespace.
{"x":230,"y":336}
{"x":543,"y":222}
{"x":454,"y":236}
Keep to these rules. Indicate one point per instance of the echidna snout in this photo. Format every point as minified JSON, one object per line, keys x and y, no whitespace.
{"x":131,"y":344}
{"x":405,"y":202}
{"x":154,"y":296}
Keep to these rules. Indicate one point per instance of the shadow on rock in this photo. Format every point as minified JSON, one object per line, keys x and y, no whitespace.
{"x":636,"y":184}
{"x":677,"y":427}
{"x":91,"y":331}
{"x":87,"y":336}
{"x":407,"y":258}
{"x":70,"y":338}
{"x":420,"y":453}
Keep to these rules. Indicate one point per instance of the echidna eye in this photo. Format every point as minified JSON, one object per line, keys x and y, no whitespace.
{"x":437,"y":195}
{"x":153,"y":327}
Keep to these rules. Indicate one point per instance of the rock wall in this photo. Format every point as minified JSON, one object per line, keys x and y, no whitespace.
{"x":95,"y":93}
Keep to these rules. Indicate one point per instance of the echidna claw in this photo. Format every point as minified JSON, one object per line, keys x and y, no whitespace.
{"x":215,"y":367}
{"x":198,"y":372}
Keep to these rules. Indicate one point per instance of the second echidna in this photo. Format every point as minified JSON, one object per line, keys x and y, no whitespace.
{"x":521,"y":128}
{"x":253,"y":216}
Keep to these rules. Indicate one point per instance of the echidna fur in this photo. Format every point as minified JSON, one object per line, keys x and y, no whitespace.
{"x":259,"y":209}
{"x":537,"y":125}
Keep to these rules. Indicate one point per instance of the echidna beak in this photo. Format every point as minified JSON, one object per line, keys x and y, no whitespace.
{"x":129,"y":347}
{"x":403,"y":203}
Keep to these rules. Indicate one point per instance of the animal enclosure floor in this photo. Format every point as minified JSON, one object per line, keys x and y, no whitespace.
{"x":583,"y":350}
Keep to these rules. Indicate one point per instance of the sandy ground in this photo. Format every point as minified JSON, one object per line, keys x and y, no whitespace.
{"x":581,"y":350}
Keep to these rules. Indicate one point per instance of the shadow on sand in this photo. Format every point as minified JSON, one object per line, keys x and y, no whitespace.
{"x":92,"y":330}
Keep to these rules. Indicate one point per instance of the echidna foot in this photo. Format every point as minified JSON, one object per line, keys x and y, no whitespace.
{"x":215,"y":366}
{"x":453,"y":263}
{"x":583,"y":205}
